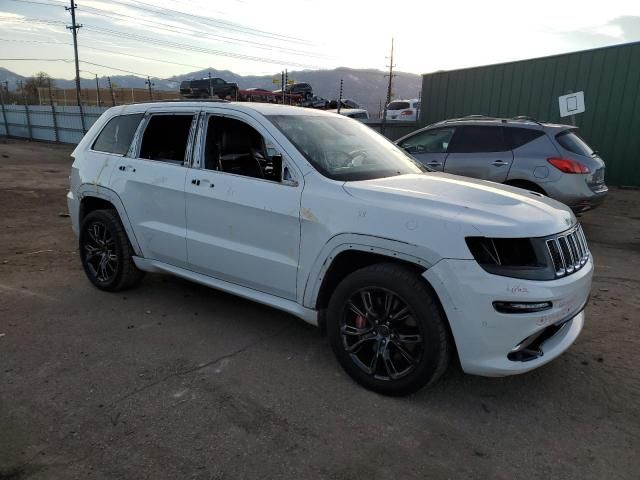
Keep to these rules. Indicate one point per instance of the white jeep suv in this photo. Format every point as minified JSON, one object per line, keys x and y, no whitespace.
{"x":316,"y":214}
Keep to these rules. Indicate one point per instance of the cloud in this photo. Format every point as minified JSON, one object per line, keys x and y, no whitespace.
{"x":618,"y":30}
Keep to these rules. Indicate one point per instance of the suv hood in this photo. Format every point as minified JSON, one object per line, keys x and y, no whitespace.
{"x":495,"y":210}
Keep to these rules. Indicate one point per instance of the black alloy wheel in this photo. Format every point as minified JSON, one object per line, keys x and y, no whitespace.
{"x":387,"y":329}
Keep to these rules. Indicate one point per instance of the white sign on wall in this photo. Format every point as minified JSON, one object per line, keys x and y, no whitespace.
{"x":571,"y":104}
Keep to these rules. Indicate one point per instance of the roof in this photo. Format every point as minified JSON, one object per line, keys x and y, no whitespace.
{"x":486,"y":120}
{"x":247,"y":107}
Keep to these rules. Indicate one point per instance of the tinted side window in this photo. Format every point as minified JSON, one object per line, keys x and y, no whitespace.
{"x":429,"y":141}
{"x":574,"y":143}
{"x":233,"y":146}
{"x":478,"y":139}
{"x":166,"y":138}
{"x":517,"y":137}
{"x":116,"y":136}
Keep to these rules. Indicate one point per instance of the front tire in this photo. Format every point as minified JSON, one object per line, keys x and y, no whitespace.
{"x":387,"y":331}
{"x":106,"y":253}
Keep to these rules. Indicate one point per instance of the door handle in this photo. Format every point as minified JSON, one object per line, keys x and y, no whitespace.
{"x":434,"y":164}
{"x":499,"y":163}
{"x":206,"y":182}
{"x":126,"y":168}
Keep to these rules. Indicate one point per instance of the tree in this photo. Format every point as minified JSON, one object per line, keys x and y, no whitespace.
{"x":39,"y":80}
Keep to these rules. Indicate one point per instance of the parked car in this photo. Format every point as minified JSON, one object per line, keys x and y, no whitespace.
{"x":303,"y":89}
{"x":208,"y":87}
{"x":545,"y":158}
{"x":403,"y":110}
{"x":315,"y":102}
{"x":318,"y":215}
{"x":357,"y":113}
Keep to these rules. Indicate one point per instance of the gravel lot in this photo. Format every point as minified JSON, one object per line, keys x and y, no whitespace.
{"x":174,"y":380}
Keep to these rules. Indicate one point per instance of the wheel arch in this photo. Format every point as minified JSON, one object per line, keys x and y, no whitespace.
{"x":93,"y":197}
{"x":346,"y":253}
{"x":526,"y":184}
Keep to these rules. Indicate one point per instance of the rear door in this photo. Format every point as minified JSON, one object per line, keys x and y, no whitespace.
{"x":429,"y":147}
{"x":479,"y":151}
{"x":151,"y":185}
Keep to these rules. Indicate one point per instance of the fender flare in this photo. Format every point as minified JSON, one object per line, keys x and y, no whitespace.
{"x":91,"y":190}
{"x":394,"y":249}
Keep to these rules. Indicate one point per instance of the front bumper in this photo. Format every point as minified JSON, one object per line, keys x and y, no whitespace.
{"x":485,"y":338}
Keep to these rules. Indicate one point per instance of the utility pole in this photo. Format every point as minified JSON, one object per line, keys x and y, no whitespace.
{"x":389,"y":86}
{"x":113,"y":98}
{"x":150,"y":84}
{"x":97,"y":90}
{"x":210,"y":87}
{"x":283,"y":87}
{"x":286,"y":84}
{"x":340,"y":97}
{"x":74,"y":29}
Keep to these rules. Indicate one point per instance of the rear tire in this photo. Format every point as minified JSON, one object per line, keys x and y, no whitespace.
{"x":387,"y":331}
{"x":106,"y":253}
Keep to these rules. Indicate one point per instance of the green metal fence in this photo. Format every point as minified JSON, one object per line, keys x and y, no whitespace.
{"x":609,"y":77}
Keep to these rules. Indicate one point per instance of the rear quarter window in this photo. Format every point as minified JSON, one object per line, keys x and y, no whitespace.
{"x":117,"y":134}
{"x":571,"y":141}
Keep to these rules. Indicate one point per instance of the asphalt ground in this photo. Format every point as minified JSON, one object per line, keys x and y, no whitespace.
{"x":175,"y":380}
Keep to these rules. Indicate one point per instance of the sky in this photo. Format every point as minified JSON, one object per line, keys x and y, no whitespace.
{"x":162,"y":38}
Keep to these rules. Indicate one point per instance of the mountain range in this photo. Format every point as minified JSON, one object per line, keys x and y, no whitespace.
{"x":368,"y":87}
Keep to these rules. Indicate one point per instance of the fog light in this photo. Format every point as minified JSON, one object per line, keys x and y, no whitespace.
{"x":521,"y":307}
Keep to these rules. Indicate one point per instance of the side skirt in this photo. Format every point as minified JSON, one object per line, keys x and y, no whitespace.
{"x":289,"y":306}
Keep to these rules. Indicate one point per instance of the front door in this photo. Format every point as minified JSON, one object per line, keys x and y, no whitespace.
{"x":479,"y":152}
{"x":429,"y":147}
{"x":151,"y":186}
{"x":243,"y":222}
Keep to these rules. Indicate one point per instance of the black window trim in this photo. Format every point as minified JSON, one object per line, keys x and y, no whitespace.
{"x":235,"y":115}
{"x":133,"y":139}
{"x":188,"y":155}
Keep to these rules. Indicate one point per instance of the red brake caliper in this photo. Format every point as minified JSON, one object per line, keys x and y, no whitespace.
{"x":361,"y":322}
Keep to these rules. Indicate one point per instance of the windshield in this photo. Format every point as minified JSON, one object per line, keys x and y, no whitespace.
{"x":344,"y":149}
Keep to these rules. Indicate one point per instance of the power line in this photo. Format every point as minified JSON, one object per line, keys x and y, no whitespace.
{"x":222,"y":38}
{"x":183,"y":46}
{"x":172,"y":28}
{"x":226,"y":24}
{"x":223,"y":24}
{"x":166,"y":43}
{"x":106,"y":51}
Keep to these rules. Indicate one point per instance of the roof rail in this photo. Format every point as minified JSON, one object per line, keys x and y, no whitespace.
{"x":179,"y":100}
{"x":527,"y":118}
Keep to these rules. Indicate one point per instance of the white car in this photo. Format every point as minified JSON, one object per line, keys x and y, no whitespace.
{"x":404,"y":110}
{"x":320,"y":216}
{"x":356,"y":113}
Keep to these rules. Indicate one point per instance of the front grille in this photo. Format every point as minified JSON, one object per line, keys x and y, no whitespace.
{"x":568,"y":251}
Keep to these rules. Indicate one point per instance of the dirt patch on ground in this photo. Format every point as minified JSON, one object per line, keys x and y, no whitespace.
{"x":174,"y":380}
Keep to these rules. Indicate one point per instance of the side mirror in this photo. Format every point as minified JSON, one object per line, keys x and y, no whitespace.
{"x":276,"y":161}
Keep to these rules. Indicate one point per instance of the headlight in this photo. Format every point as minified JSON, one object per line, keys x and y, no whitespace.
{"x":524,"y":258}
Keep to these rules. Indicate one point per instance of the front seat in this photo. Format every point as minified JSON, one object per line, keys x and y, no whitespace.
{"x":235,"y":153}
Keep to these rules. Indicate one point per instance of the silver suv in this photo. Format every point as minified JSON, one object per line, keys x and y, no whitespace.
{"x":542,"y":157}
